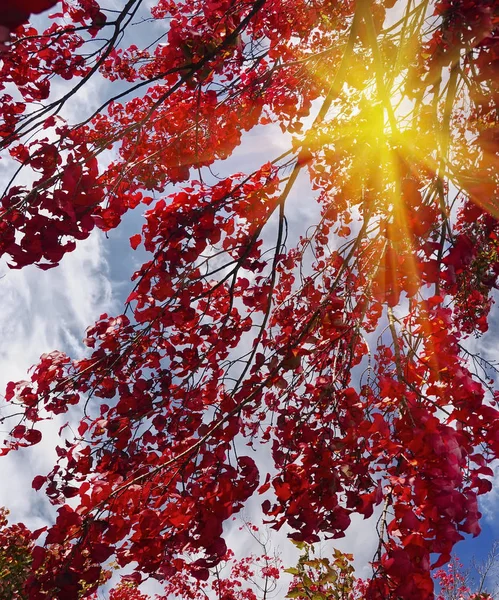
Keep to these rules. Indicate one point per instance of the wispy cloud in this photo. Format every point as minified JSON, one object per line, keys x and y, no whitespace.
{"x":44,"y":311}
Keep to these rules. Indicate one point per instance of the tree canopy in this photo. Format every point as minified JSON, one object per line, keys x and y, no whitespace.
{"x":319,"y":366}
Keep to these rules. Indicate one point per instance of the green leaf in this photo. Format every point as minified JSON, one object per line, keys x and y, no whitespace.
{"x":299,"y":545}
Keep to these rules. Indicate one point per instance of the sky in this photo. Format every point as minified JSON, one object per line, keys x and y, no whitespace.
{"x":43,"y":311}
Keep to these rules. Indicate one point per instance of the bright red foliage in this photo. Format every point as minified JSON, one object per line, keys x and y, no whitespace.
{"x":454,"y":585}
{"x":18,"y":12}
{"x":341,"y":350}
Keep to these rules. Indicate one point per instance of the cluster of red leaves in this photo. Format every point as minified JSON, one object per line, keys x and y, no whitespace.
{"x":230,"y":340}
{"x":18,"y":12}
{"x":454,"y":586}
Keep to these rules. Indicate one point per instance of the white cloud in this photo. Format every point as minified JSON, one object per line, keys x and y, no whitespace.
{"x":44,"y":311}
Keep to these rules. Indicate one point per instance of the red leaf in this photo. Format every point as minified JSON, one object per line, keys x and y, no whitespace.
{"x":201,"y":574}
{"x":70,"y":491}
{"x":18,"y":431}
{"x":38,"y":482}
{"x":101,"y":552}
{"x":33,"y":436}
{"x":135,"y":240}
